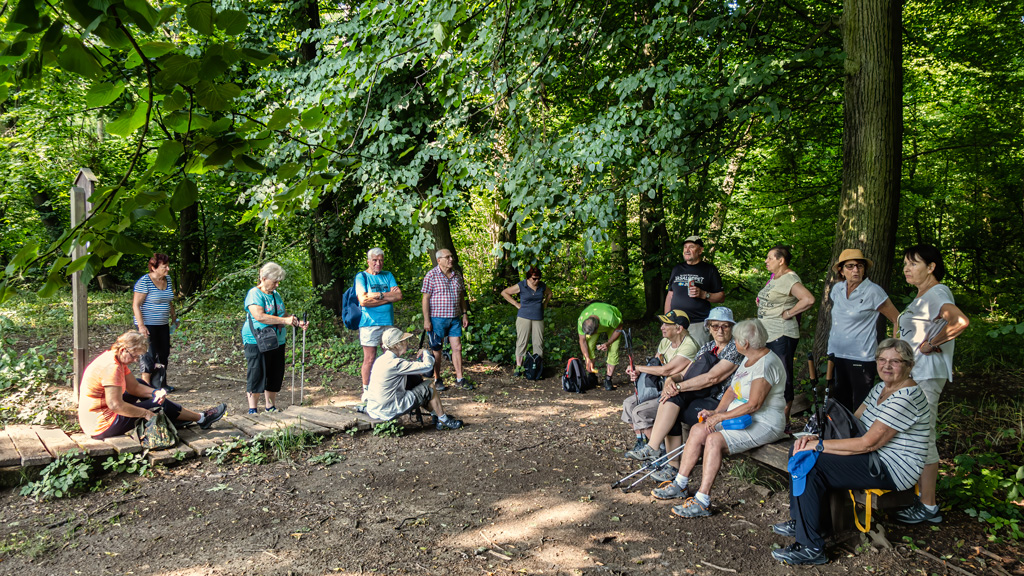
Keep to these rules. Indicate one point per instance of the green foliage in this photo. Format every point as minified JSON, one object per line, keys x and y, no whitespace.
{"x":25,"y":376}
{"x":263,"y":447}
{"x":988,"y":488}
{"x":126,"y":463}
{"x":389,"y":429}
{"x":22,"y":543}
{"x":67,"y":474}
{"x":343,"y":355}
{"x":326,"y":459}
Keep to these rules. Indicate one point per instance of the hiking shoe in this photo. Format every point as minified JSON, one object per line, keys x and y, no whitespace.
{"x":797,"y":553}
{"x":645,"y":453}
{"x":465,"y":384}
{"x":212,"y":415}
{"x":439,"y":385}
{"x":636,"y":446}
{"x":917,"y":513}
{"x":691,"y":508}
{"x":169,"y":388}
{"x":666,"y":473}
{"x":670,"y":491}
{"x":608,"y":383}
{"x":253,"y":411}
{"x":270,"y":409}
{"x":451,"y":424}
{"x":787,"y":528}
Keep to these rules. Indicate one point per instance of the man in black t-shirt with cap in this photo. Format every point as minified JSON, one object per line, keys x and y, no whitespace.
{"x":693,"y":287}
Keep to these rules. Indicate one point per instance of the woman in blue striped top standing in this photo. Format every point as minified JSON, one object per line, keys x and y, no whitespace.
{"x":153,"y":308}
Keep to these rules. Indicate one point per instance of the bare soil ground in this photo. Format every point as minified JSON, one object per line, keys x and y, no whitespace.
{"x":524,"y":488}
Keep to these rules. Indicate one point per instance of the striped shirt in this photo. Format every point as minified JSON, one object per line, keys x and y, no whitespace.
{"x":906,"y":412}
{"x":156,"y":308}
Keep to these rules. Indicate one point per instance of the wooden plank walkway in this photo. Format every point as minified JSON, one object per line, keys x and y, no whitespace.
{"x":24,"y":450}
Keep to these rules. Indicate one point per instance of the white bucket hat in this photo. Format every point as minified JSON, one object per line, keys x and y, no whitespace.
{"x":721,"y":314}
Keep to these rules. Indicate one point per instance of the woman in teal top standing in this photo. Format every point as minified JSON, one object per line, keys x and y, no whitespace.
{"x":265,"y":307}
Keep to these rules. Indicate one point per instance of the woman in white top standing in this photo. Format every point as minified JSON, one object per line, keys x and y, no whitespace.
{"x":929,"y":325}
{"x":778,"y":304}
{"x":153,"y":308}
{"x":856,"y":304}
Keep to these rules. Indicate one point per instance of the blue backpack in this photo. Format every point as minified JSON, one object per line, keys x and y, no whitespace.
{"x":351,"y":312}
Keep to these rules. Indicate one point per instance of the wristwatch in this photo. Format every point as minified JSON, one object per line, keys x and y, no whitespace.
{"x":820,"y":447}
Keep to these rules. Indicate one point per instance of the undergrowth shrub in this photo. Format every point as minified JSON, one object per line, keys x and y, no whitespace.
{"x":68,"y":473}
{"x":264,"y":448}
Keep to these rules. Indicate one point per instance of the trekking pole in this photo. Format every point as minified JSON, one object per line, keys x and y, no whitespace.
{"x":293,"y":364}
{"x":812,"y":373}
{"x":302,"y":377}
{"x":653,"y":466}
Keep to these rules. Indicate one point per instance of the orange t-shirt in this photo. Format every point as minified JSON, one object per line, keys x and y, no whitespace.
{"x":93,"y":413}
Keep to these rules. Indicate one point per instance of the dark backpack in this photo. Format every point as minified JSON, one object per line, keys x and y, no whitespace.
{"x":648,"y":386}
{"x":837,"y":422}
{"x":576,"y":379}
{"x":533,"y":366}
{"x":351,"y":312}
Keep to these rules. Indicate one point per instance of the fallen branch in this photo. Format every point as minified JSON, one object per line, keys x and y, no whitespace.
{"x":528,"y":447}
{"x":723,"y":569}
{"x":941,"y":561}
{"x":228,"y":378}
{"x":498,"y":555}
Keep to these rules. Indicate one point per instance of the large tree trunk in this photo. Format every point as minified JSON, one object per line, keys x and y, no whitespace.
{"x":872,"y":133}
{"x":653,"y":247}
{"x":190,"y":256}
{"x":619,"y":237}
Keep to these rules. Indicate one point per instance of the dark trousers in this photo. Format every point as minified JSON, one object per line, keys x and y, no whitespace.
{"x":124,"y":424}
{"x":690,"y":405}
{"x":830,"y":472}
{"x":159,"y":343}
{"x":854,"y":381}
{"x":785,"y":348}
{"x":265,"y":370}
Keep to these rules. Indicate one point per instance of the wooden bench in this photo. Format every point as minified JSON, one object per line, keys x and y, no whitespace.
{"x":841,"y":508}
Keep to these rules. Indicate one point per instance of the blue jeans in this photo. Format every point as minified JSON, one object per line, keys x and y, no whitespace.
{"x":442,"y":328}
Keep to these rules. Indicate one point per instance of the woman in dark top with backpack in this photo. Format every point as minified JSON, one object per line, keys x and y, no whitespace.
{"x":533,"y":296}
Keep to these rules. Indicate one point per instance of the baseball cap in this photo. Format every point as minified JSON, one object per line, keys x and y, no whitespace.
{"x":800,"y":465}
{"x":392,"y":336}
{"x":677,"y":317}
{"x":695,"y":239}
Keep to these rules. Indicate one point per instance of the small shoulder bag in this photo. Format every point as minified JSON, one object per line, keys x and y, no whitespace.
{"x":266,"y":337}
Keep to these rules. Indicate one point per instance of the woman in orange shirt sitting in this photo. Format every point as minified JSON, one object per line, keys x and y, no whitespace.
{"x":112,"y":400}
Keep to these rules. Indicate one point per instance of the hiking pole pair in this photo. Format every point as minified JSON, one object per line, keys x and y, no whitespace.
{"x":650,"y":467}
{"x":302,"y":382}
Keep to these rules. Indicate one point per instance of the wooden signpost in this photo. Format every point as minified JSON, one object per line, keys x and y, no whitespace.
{"x":81,"y":191}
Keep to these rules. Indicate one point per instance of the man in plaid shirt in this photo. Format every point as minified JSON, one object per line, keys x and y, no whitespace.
{"x":445,"y":314}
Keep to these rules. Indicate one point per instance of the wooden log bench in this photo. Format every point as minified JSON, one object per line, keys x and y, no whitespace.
{"x":841,"y":507}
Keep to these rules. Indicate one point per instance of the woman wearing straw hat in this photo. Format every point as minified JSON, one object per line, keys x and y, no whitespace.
{"x":856,"y":304}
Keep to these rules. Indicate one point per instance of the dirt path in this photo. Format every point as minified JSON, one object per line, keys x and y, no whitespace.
{"x":523,"y":488}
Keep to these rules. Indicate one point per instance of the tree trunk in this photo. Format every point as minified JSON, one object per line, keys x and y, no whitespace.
{"x":619,"y":236}
{"x":714,"y":231}
{"x":653,"y":243}
{"x":190,"y":256}
{"x":872,"y":133}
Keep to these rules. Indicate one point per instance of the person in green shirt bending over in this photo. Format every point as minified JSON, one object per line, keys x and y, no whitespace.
{"x":597,"y":319}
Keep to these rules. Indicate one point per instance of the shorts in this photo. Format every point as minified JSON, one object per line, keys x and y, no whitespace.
{"x":613,"y":348}
{"x":639,"y":416}
{"x":932,"y":388}
{"x":265,"y":371}
{"x":423,"y":393}
{"x":371,"y":335}
{"x":753,"y":436}
{"x":688,"y":413}
{"x":442,"y":328}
